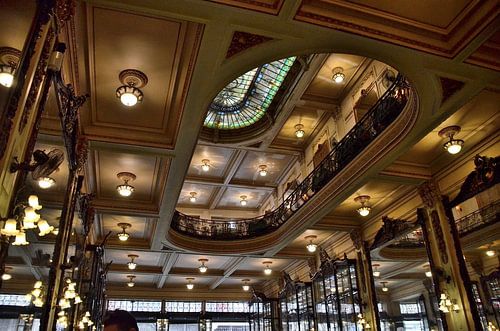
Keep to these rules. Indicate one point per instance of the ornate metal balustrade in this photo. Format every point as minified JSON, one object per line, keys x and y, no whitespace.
{"x":479,"y":219}
{"x":376,"y":120}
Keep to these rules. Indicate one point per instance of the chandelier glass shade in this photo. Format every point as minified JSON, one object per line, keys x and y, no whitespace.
{"x":129,"y":95}
{"x":10,"y":228}
{"x":6,"y":75}
{"x":46,"y":182}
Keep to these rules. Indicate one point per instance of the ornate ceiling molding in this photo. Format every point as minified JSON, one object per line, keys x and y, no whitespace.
{"x":449,"y":87}
{"x":243,"y":40}
{"x":264,"y":6}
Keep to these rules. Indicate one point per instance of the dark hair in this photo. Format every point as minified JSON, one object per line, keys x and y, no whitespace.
{"x":122,"y":319}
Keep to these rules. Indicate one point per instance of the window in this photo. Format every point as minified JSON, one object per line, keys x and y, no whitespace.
{"x":14,"y":300}
{"x":153,"y":306}
{"x":409,"y":308}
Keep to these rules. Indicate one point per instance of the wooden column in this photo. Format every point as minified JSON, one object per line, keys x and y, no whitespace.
{"x":366,"y":285}
{"x":447,"y":262}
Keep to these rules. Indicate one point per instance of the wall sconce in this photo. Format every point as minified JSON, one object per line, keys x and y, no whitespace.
{"x":203,"y":268}
{"x":364,"y":210}
{"x":267,"y":270}
{"x":245,"y":285}
{"x":311,"y":246}
{"x":132,"y":265}
{"x":129,"y":93}
{"x":125,"y":190}
{"x":453,"y":146}
{"x":123,"y":236}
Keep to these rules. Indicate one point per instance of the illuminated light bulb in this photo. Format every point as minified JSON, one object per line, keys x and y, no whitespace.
{"x":20,"y":239}
{"x":384,"y":287}
{"x":190,"y":286}
{"x":10,"y":228}
{"x":6,"y":79}
{"x":205,"y":166}
{"x":263,"y":170}
{"x":243,"y":200}
{"x":338,"y":75}
{"x":246,"y":288}
{"x":490,"y":252}
{"x":123,"y":236}
{"x":454,"y":146}
{"x":267,"y":270}
{"x":131,"y":281}
{"x":299,"y":131}
{"x":36,"y":292}
{"x":203,"y":268}
{"x":55,"y":231}
{"x":128,"y":99}
{"x":78,"y":299}
{"x":376,"y":272}
{"x":132,"y":265}
{"x":46,"y":182}
{"x":44,"y":227}
{"x":428,"y":274}
{"x":456,"y":308}
{"x":125,"y":190}
{"x":311,"y":247}
{"x":364,"y":211}
{"x":38,"y":284}
{"x":6,"y":276}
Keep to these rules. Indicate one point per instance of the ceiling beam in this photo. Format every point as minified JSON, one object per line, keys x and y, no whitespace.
{"x":169,"y":261}
{"x":233,"y":184}
{"x":233,"y":265}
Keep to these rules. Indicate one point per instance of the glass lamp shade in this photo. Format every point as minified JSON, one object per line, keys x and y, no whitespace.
{"x":385,"y":289}
{"x":490,"y":252}
{"x":130,"y":284}
{"x":428,"y":274}
{"x":299,"y":131}
{"x":268,"y":271}
{"x":263,"y":172}
{"x":20,"y":239}
{"x":33,"y":202}
{"x":205,"y":167}
{"x":46,"y":182}
{"x":203,"y":268}
{"x":129,"y":95}
{"x":243,"y":202}
{"x":36,"y":292}
{"x":364,"y":210}
{"x":190,"y":286}
{"x":192,"y":199}
{"x":44,"y":227}
{"x":454,"y":146}
{"x":6,"y":276}
{"x":132,"y":265}
{"x":38,"y":302}
{"x":338,"y":77}
{"x":376,"y":273}
{"x":123,"y":236}
{"x":10,"y":228}
{"x":311,"y":247}
{"x":38,"y":284}
{"x":78,"y":299}
{"x":246,"y":287}
{"x":6,"y":75}
{"x":125,"y":190}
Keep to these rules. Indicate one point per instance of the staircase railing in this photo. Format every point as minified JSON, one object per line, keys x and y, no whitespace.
{"x":375,"y":121}
{"x":479,"y":219}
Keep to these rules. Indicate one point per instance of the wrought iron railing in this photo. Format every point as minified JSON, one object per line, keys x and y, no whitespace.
{"x":479,"y":219}
{"x":376,"y":120}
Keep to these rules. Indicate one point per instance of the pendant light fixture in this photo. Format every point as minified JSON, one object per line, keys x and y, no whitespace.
{"x":9,"y":58}
{"x":299,"y":131}
{"x":123,"y":236}
{"x":125,"y":189}
{"x":384,"y":287}
{"x":132,"y":265}
{"x":129,"y":93}
{"x":131,"y":282}
{"x":364,"y":210}
{"x":245,"y":285}
{"x":338,"y":75}
{"x":490,"y":252}
{"x":453,"y":146}
{"x":205,"y":165}
{"x":46,"y":182}
{"x":263,"y":170}
{"x":243,"y":200}
{"x":203,"y":268}
{"x":190,"y":284}
{"x":311,"y":246}
{"x":267,"y":269}
{"x":192,"y":197}
{"x":376,"y":272}
{"x":6,"y":275}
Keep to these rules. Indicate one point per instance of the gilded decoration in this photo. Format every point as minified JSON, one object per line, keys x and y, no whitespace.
{"x":449,"y":87}
{"x":242,"y":41}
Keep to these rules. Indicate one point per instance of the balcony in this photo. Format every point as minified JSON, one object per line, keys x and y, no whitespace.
{"x":479,"y":219}
{"x":376,"y":120}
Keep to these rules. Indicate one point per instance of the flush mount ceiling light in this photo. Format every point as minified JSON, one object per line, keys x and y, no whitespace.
{"x":453,"y":146}
{"x":311,"y":246}
{"x":384,"y":287}
{"x":6,"y":275}
{"x":376,"y":272}
{"x":46,"y":182}
{"x":203,"y":268}
{"x":129,"y":93}
{"x":299,"y":131}
{"x":245,"y":285}
{"x":364,"y":210}
{"x":205,"y":165}
{"x":123,"y":236}
{"x":192,"y":197}
{"x":189,"y":284}
{"x":243,"y":200}
{"x":131,"y":281}
{"x":267,"y":270}
{"x":338,"y":75}
{"x":9,"y":58}
{"x":263,"y":170}
{"x":125,"y":190}
{"x":132,"y":265}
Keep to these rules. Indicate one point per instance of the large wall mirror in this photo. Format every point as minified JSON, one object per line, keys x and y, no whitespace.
{"x":402,"y":277}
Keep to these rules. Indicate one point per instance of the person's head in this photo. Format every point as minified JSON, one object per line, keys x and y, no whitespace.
{"x":120,"y":320}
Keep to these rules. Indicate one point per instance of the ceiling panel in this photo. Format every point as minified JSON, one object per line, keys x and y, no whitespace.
{"x":121,"y":257}
{"x":249,"y":168}
{"x":203,"y":194}
{"x":308,"y":117}
{"x":231,"y":198}
{"x":191,"y":261}
{"x":219,"y":159}
{"x":198,"y":281}
{"x":142,"y":227}
{"x":16,"y":17}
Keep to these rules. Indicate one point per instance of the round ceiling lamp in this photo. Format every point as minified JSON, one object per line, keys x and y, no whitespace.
{"x":46,"y":182}
{"x":190,"y":284}
{"x":384,"y":287}
{"x":192,"y":197}
{"x":205,"y":165}
{"x":245,"y":285}
{"x":129,"y":93}
{"x":299,"y":131}
{"x":125,"y":189}
{"x":311,"y":246}
{"x":203,"y":268}
{"x":364,"y":210}
{"x":376,"y":272}
{"x":123,"y":236}
{"x":9,"y":58}
{"x":243,"y":200}
{"x":132,"y":265}
{"x":263,"y":170}
{"x":6,"y":275}
{"x":267,"y":269}
{"x":338,"y":75}
{"x":131,"y":282}
{"x":453,"y":146}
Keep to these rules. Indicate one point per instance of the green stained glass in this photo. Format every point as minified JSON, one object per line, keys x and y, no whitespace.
{"x":246,"y":99}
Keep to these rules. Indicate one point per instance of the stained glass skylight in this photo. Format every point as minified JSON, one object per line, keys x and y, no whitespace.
{"x":246,"y":99}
